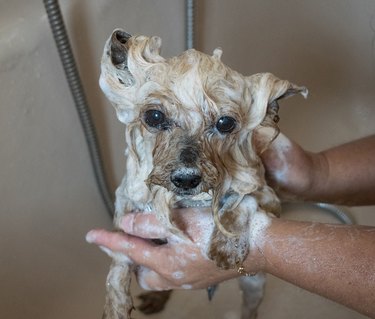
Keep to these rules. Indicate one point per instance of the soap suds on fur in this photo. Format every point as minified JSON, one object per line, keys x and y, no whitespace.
{"x":259,"y":224}
{"x":282,"y":146}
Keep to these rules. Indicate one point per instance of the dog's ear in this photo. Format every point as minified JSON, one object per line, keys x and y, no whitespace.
{"x":125,"y":68}
{"x":118,"y":48}
{"x":265,"y":90}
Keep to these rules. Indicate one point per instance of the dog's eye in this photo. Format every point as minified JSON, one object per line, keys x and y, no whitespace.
{"x":226,"y":124}
{"x":155,"y":118}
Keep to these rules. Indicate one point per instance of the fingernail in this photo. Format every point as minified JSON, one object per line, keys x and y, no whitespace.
{"x":90,"y":236}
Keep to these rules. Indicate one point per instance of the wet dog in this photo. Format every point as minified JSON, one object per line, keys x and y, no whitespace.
{"x":190,"y":122}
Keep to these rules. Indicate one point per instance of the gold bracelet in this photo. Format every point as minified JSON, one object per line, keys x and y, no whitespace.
{"x":241,"y":270}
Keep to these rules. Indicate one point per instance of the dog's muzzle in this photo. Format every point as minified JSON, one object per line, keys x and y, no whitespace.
{"x":187,"y":177}
{"x":186,"y":180}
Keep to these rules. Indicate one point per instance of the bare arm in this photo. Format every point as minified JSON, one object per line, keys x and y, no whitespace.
{"x":335,"y":261}
{"x":350,"y":177}
{"x":343,"y":175}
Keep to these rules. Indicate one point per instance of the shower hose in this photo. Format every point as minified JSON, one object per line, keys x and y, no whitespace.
{"x":71,"y":72}
{"x":67,"y":59}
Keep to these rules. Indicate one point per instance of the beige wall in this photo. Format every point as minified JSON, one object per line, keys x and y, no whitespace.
{"x":48,"y":194}
{"x":326,"y":45}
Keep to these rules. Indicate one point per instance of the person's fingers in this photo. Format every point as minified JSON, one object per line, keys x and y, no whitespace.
{"x":191,"y":222}
{"x":150,"y":280}
{"x":115,"y":241}
{"x":137,"y":249}
{"x":143,"y":225}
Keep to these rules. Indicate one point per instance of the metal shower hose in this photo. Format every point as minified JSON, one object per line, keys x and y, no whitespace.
{"x":67,"y":59}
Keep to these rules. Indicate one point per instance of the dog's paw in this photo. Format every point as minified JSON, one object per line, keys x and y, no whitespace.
{"x":153,"y":301}
{"x":227,"y":252}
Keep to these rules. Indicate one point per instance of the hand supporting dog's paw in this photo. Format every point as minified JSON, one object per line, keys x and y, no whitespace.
{"x":182,"y":263}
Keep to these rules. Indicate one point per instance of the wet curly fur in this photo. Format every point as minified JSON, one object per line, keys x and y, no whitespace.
{"x":189,"y":122}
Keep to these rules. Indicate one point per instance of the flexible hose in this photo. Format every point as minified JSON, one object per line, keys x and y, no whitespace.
{"x":189,"y":21}
{"x":336,"y":212}
{"x":67,"y":59}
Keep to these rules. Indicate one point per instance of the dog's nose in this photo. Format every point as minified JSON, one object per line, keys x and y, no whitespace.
{"x":186,"y":178}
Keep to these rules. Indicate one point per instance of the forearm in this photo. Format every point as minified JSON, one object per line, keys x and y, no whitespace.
{"x":337,"y":262}
{"x":334,"y":261}
{"x":346,"y":174}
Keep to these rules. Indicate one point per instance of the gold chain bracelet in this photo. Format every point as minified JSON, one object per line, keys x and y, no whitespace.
{"x":241,"y":270}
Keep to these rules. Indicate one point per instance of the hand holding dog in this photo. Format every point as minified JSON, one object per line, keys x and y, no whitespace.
{"x":341,"y":175}
{"x":290,"y":170}
{"x":181,"y":263}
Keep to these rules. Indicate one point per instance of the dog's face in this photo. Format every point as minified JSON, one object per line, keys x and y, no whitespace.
{"x":196,"y":114}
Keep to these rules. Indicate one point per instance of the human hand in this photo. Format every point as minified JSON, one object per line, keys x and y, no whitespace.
{"x":290,"y":170}
{"x":181,"y":263}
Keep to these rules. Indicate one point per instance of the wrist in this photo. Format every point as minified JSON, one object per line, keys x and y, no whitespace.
{"x":259,"y":227}
{"x":318,"y":176}
{"x":307,"y":178}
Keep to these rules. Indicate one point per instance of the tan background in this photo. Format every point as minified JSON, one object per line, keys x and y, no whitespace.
{"x":48,"y":196}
